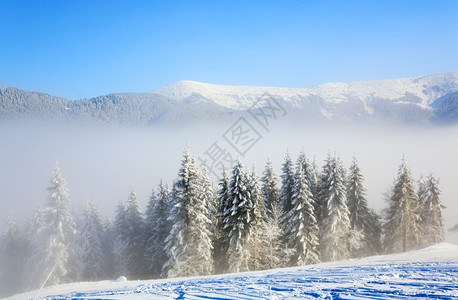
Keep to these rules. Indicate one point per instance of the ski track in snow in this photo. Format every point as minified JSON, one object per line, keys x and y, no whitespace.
{"x":438,"y":280}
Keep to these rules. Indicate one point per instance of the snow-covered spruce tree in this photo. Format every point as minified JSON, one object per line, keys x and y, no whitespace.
{"x":32,"y":277}
{"x":270,"y":191}
{"x":287,"y":184}
{"x":238,"y":220}
{"x":258,"y":223}
{"x":360,"y":215}
{"x":273,"y":251}
{"x":310,"y":173}
{"x":89,"y":250}
{"x":149,"y":233}
{"x":286,"y":194}
{"x":302,"y":223}
{"x":421,"y":190}
{"x":209,"y":197}
{"x":421,"y":193}
{"x":401,"y":228}
{"x":221,"y":239}
{"x":134,"y":236}
{"x":157,"y":230}
{"x":122,"y":258}
{"x":107,"y":245}
{"x":313,"y":174}
{"x":374,"y":233}
{"x":323,"y":188}
{"x":129,"y":243}
{"x":189,"y":244}
{"x":432,"y":222}
{"x":52,"y":254}
{"x":12,"y":260}
{"x":335,"y":226}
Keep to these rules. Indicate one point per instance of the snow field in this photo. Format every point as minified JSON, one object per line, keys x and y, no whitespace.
{"x":430,"y":272}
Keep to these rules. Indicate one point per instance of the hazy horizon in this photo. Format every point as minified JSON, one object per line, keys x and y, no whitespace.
{"x":101,"y":164}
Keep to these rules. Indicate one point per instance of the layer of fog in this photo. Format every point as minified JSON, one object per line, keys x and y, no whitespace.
{"x":102,"y":164}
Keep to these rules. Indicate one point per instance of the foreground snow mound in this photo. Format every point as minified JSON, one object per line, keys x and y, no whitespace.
{"x":430,"y":272}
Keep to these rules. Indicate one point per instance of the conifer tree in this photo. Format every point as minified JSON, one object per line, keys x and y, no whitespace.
{"x":89,"y":246}
{"x":135,"y":238}
{"x":129,"y":240}
{"x":259,"y":209}
{"x":108,"y":246}
{"x":221,"y":240}
{"x":431,"y":214}
{"x":402,"y":230}
{"x":302,"y":238}
{"x":52,"y":255}
{"x":149,"y":233}
{"x":209,"y":198}
{"x":287,"y":184}
{"x":421,"y":193}
{"x":189,"y":244}
{"x":238,"y":220}
{"x":258,"y":223}
{"x":273,"y":252}
{"x":158,"y":228}
{"x":322,"y":196}
{"x":374,"y":234}
{"x":286,"y":194}
{"x":357,"y":203}
{"x":335,"y":225}
{"x":310,"y":173}
{"x":313,"y":175}
{"x":360,"y":215}
{"x":421,"y":190}
{"x":32,"y":255}
{"x":122,"y":257}
{"x":12,"y":260}
{"x":270,"y":191}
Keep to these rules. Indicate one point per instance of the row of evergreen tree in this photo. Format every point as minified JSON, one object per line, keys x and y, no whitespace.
{"x":247,"y":223}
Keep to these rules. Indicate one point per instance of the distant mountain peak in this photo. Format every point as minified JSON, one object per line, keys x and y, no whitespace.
{"x":426,"y":88}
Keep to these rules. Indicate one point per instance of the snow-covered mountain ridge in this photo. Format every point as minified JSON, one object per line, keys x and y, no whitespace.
{"x":430,"y":99}
{"x":427,"y":272}
{"x":425,"y":88}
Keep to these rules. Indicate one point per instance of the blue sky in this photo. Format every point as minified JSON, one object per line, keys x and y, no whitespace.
{"x":77,"y":49}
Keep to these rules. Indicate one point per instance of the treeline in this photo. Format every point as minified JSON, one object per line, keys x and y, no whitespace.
{"x":247,"y":223}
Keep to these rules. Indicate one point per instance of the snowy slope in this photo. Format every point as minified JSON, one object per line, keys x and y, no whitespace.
{"x":428,"y":272}
{"x":421,"y":90}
